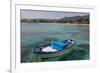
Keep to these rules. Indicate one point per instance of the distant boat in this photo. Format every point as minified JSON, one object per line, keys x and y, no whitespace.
{"x":56,"y":48}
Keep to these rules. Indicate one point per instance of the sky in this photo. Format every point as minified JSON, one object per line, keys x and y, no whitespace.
{"x":33,"y":14}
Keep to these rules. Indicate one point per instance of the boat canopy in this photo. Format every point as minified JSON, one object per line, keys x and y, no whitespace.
{"x":59,"y":45}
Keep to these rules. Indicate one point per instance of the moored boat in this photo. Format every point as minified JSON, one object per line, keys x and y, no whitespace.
{"x":56,"y":48}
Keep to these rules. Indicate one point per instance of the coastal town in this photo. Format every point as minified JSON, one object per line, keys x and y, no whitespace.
{"x":71,"y":20}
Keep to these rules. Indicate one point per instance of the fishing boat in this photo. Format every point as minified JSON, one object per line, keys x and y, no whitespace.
{"x":56,"y":48}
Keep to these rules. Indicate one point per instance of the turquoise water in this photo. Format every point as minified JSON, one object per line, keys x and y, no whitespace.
{"x":39,"y":33}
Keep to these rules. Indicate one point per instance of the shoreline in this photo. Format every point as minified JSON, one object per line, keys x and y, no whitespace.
{"x":58,"y":23}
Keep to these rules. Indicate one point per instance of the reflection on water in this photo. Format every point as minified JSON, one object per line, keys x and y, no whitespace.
{"x":33,"y":34}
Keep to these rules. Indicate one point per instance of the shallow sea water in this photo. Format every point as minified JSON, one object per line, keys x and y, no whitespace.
{"x":36,"y":34}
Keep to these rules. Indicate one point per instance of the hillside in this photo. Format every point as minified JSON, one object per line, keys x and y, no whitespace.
{"x":71,"y":20}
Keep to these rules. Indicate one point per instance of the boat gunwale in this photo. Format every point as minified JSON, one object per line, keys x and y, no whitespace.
{"x":54,"y":54}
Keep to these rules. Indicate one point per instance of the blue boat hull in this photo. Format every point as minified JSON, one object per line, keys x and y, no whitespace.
{"x":66,"y":48}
